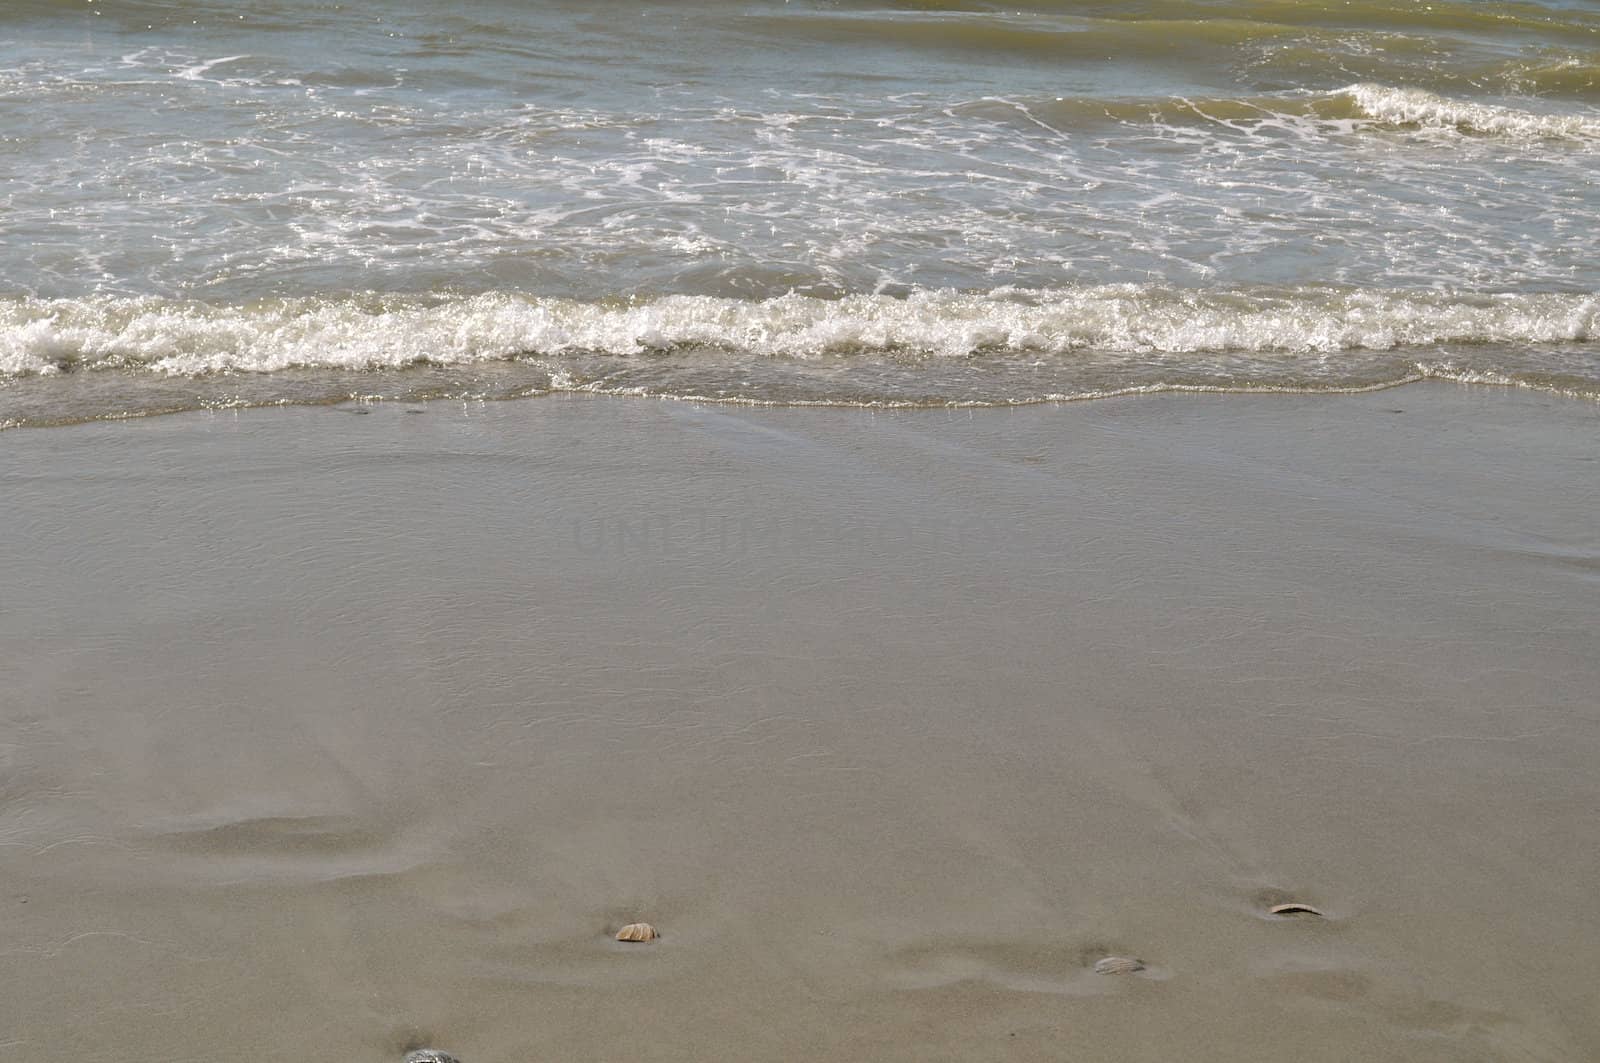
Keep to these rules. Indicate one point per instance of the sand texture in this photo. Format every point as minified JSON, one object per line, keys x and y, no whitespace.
{"x":334,"y":732}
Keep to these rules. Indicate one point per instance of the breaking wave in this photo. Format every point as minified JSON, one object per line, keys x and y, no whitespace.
{"x":1403,"y":106}
{"x":178,"y":337}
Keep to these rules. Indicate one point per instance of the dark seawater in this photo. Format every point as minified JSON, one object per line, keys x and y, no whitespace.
{"x":215,"y":204}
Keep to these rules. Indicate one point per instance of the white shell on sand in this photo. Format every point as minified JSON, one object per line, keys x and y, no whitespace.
{"x":1293,"y":908}
{"x":1118,"y":965}
{"x":429,"y":1055}
{"x":637,"y":932}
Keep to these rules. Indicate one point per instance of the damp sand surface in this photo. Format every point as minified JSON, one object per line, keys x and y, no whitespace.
{"x":327,"y":732}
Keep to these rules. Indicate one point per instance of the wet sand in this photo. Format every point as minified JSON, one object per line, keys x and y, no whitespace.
{"x":325,"y":732}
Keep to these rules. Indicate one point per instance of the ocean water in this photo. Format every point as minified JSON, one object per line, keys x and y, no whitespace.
{"x":210,"y":204}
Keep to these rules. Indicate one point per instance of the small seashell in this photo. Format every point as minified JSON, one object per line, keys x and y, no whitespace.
{"x":637,"y":932}
{"x":1118,"y":965}
{"x":1293,"y":908}
{"x":430,"y":1055}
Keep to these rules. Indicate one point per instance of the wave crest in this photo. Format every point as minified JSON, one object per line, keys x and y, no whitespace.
{"x":179,"y":337}
{"x":1401,"y":106}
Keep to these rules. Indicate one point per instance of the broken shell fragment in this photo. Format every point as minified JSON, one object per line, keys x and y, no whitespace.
{"x":430,"y":1055}
{"x":1293,"y":908}
{"x":1118,"y":965}
{"x":637,"y":932}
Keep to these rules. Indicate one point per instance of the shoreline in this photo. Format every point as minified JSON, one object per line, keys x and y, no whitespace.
{"x":1465,"y":379}
{"x":355,"y":732}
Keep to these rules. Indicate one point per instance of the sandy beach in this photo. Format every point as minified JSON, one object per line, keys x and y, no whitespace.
{"x":951,"y":512}
{"x":332,"y":731}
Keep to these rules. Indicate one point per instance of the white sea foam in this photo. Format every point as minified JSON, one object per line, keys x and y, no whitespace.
{"x":1404,"y":106}
{"x":369,"y":332}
